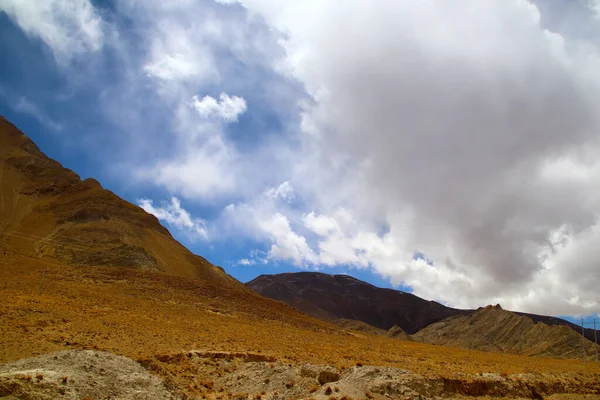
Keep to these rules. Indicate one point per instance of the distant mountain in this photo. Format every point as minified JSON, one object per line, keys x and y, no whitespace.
{"x":494,"y":329}
{"x":48,"y":212}
{"x":342,"y":298}
{"x":334,"y":297}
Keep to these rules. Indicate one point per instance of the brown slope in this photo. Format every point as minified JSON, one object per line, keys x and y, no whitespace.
{"x":494,"y":329}
{"x":397,"y":332}
{"x":47,"y":212}
{"x":334,"y":297}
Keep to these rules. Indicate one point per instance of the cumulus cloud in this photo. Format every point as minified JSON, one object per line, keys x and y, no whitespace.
{"x":226,"y":108}
{"x":202,"y":165}
{"x":284,"y":191}
{"x":67,"y":27}
{"x":287,"y":244}
{"x":175,"y":215}
{"x":464,"y":131}
{"x":452,"y":116}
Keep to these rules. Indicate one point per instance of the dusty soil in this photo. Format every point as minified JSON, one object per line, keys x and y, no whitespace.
{"x":79,"y":375}
{"x":145,"y":315}
{"x":215,"y":375}
{"x":226,"y":375}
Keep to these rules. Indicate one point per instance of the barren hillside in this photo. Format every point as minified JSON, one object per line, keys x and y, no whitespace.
{"x":333,"y":297}
{"x":47,"y":212}
{"x":494,"y":329}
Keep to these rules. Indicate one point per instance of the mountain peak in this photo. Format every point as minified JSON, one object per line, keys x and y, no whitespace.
{"x":55,"y":215}
{"x":334,"y":297}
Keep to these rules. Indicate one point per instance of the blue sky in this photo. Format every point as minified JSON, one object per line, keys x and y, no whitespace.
{"x":445,"y":150}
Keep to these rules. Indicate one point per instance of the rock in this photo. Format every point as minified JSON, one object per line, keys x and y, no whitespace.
{"x":328,"y":376}
{"x":75,"y":375}
{"x":323,"y":373}
{"x":309,"y":371}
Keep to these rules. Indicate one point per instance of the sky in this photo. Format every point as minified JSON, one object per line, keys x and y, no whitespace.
{"x":448,"y":149}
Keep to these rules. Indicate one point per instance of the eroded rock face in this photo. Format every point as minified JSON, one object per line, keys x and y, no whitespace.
{"x":77,"y":374}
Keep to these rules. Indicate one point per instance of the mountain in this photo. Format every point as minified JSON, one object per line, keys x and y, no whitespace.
{"x":342,"y":298}
{"x":494,"y":329}
{"x":48,"y":212}
{"x":334,"y":297}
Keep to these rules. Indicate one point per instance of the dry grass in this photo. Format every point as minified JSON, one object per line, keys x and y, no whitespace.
{"x":143,"y":314}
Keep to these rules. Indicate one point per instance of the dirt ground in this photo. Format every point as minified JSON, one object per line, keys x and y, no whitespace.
{"x":88,"y":374}
{"x":79,"y":375}
{"x":157,"y":320}
{"x":225,"y":375}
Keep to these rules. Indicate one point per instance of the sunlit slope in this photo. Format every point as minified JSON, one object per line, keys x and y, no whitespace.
{"x":494,"y":329}
{"x":47,"y":212}
{"x":142,"y":314}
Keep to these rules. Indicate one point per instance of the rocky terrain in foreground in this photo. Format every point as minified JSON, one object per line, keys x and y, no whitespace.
{"x":225,"y":375}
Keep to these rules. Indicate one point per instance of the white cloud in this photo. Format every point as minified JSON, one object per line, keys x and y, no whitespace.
{"x":320,"y":224}
{"x":284,"y":191}
{"x":202,"y":173}
{"x":594,"y":6}
{"x":173,"y":214}
{"x":202,"y":165}
{"x":68,"y":27}
{"x":226,"y":108}
{"x":449,"y":124}
{"x":171,"y":67}
{"x":287,"y":245}
{"x":227,"y":2}
{"x":178,"y":51}
{"x":25,"y":106}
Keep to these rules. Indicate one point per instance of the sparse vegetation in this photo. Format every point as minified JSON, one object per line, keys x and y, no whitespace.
{"x":94,"y":302}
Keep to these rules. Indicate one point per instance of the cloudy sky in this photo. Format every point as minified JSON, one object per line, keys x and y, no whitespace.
{"x":448,"y":148}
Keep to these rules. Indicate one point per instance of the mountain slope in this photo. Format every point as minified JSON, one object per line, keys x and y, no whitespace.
{"x":494,"y":329}
{"x":47,"y":212}
{"x":333,"y":297}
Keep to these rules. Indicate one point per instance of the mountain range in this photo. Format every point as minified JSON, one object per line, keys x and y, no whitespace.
{"x":341,"y":299}
{"x":49,"y":215}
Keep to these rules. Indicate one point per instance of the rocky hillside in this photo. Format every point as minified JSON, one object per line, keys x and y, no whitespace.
{"x":48,"y":212}
{"x":494,"y":329}
{"x":333,"y":297}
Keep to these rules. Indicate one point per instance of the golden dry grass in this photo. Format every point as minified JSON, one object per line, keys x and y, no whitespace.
{"x":143,"y":314}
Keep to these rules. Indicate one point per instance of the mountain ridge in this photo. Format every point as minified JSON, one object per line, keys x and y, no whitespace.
{"x":279,"y":287}
{"x":334,"y":297}
{"x":494,"y":329}
{"x":48,"y":212}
